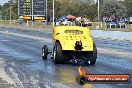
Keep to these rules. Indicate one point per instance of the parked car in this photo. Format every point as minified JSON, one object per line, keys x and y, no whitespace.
{"x":20,"y":20}
{"x":130,"y":20}
{"x":121,"y":24}
{"x":111,"y":25}
{"x":65,"y":22}
{"x":87,"y":23}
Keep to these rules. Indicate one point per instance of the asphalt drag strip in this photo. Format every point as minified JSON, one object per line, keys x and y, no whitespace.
{"x":22,"y":66}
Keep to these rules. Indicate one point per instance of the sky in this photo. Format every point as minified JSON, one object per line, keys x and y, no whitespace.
{"x":3,"y":1}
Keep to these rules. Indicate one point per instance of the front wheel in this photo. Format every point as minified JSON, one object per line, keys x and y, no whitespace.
{"x":44,"y":52}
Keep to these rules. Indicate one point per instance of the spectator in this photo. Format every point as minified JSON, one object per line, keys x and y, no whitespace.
{"x":48,"y":21}
{"x":55,"y":20}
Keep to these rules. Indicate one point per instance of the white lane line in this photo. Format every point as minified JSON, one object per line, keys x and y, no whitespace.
{"x":4,"y":75}
{"x":15,"y":78}
{"x":47,"y":86}
{"x":109,"y":38}
{"x":115,"y":52}
{"x":28,"y":36}
{"x":4,"y":40}
{"x":59,"y":85}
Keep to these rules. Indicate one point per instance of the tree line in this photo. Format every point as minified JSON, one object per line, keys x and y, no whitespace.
{"x":5,"y":10}
{"x":64,"y":7}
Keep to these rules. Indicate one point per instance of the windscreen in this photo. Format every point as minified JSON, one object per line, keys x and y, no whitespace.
{"x":77,"y":32}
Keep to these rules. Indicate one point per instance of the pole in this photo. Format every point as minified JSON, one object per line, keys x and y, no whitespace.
{"x":53,"y":13}
{"x":46,"y":10}
{"x":32,"y":12}
{"x":18,"y":8}
{"x":27,"y":22}
{"x":98,"y":11}
{"x":10,"y":12}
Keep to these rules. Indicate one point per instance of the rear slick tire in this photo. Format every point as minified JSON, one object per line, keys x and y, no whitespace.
{"x":58,"y":54}
{"x":92,"y":56}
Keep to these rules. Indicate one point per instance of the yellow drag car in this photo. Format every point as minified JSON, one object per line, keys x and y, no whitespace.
{"x":71,"y":43}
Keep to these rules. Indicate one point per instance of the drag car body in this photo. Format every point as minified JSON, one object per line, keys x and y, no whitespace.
{"x":72,"y":43}
{"x":67,"y":36}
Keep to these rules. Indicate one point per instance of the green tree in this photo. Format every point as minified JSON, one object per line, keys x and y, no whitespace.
{"x":128,"y":4}
{"x":113,"y":7}
{"x":65,"y":7}
{"x":88,"y":9}
{"x":5,"y":10}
